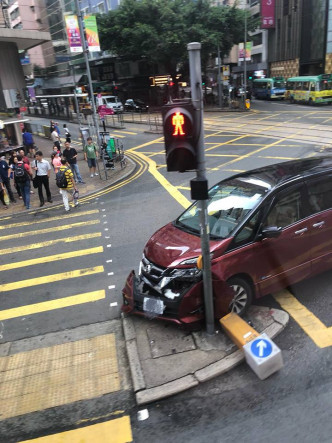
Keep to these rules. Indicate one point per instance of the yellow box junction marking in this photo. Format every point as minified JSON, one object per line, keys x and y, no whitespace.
{"x":50,"y":278}
{"x":45,"y":306}
{"x":51,"y":258}
{"x":49,"y":243}
{"x":320,"y":334}
{"x":113,"y":431}
{"x":57,"y":375}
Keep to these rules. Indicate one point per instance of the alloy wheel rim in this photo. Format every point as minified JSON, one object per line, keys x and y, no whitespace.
{"x":239,"y":300}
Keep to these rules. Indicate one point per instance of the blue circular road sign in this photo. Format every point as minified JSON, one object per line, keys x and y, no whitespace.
{"x":261,"y":348}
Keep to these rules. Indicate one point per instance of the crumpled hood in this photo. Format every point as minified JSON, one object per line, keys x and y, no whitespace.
{"x":169,"y":246}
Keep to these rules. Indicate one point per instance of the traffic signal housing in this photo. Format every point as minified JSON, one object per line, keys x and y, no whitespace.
{"x":180,"y":132}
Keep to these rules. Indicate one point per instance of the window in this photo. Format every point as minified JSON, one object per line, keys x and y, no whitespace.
{"x":320,"y":194}
{"x":312,"y":86}
{"x":286,"y":210}
{"x":290,"y":86}
{"x":248,"y":231}
{"x":305,"y":86}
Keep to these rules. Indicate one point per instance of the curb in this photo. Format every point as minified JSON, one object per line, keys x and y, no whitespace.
{"x":144,"y":396}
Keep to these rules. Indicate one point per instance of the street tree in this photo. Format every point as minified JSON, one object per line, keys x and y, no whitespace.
{"x":158,"y":31}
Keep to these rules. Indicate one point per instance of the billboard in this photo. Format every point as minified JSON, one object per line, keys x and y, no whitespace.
{"x":91,"y":32}
{"x":267,"y":14}
{"x":248,"y":51}
{"x":73,"y":33}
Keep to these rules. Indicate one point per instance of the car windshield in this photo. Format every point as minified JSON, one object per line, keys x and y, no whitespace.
{"x":228,"y":204}
{"x":279,"y":84}
{"x":110,"y":100}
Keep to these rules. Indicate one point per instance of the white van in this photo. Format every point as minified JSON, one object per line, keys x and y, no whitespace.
{"x":110,"y":101}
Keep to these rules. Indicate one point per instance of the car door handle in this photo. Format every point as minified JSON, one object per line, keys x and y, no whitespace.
{"x":319,"y":224}
{"x":301,"y":231}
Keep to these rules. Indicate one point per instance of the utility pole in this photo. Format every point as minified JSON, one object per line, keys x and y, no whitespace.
{"x":88,"y":72}
{"x":194,"y":50}
{"x":245,"y":55}
{"x":219,"y":80}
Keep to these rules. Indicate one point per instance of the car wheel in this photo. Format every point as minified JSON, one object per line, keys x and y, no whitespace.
{"x":243,"y":294}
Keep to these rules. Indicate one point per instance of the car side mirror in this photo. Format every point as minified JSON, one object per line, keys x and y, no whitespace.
{"x":271,"y":232}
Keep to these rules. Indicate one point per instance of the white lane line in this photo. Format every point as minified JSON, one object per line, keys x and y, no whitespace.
{"x":114,"y":304}
{"x":109,"y":246}
{"x":103,"y":210}
{"x":107,"y":236}
{"x":109,"y":261}
{"x":111,"y":287}
{"x":110,"y":273}
{"x":106,"y":229}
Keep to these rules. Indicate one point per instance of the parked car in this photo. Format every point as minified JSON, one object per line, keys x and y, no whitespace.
{"x":111,"y":102}
{"x":269,"y":228}
{"x":135,"y":105}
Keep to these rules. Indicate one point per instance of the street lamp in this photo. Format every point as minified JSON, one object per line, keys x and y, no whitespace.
{"x":245,"y":53}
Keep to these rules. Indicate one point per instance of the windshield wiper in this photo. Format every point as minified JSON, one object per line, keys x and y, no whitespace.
{"x":185,"y":227}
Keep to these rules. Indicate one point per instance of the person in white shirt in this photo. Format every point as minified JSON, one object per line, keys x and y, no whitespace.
{"x":43,"y":169}
{"x":56,"y":139}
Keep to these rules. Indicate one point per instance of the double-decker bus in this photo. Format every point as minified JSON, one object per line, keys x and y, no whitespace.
{"x":310,"y":89}
{"x":269,"y":88}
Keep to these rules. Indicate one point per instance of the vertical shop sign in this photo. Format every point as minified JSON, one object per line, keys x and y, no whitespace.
{"x":91,"y":32}
{"x":73,"y":33}
{"x":267,"y":14}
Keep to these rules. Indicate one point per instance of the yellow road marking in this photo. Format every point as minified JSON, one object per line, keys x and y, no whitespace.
{"x":46,"y":230}
{"x":50,"y":278}
{"x":113,"y":431}
{"x":51,"y":258}
{"x":117,"y":135}
{"x":49,"y":243}
{"x":60,"y":217}
{"x":278,"y":158}
{"x":175,"y":193}
{"x":45,"y":306}
{"x":185,"y":188}
{"x":126,"y":132}
{"x":222,"y":155}
{"x":312,"y":326}
{"x":157,"y":140}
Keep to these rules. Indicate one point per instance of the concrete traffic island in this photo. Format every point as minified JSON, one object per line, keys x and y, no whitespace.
{"x":165,"y":360}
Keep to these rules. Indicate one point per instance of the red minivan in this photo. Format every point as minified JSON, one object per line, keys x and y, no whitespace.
{"x":269,"y":228}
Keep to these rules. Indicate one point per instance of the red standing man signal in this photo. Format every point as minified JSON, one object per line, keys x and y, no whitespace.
{"x":178,"y":122}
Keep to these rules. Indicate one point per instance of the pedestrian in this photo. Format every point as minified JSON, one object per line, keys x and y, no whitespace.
{"x":5,"y":171}
{"x":57,"y":128}
{"x":66,"y":182}
{"x":24,"y":157}
{"x":70,"y":154}
{"x":23,"y":176}
{"x":12,"y":163}
{"x":28,"y":143}
{"x":91,"y":156}
{"x":67,"y":133}
{"x":43,"y":169}
{"x":56,"y":139}
{"x":2,"y":194}
{"x":56,"y":161}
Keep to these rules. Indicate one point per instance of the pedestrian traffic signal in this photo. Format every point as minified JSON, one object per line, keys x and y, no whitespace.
{"x":180,"y":136}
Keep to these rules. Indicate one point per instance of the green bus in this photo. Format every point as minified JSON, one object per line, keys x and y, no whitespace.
{"x":269,"y":88}
{"x":310,"y":89}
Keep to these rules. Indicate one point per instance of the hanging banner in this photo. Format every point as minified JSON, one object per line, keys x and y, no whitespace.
{"x":248,"y":51}
{"x":267,"y":14}
{"x":73,"y":33}
{"x":91,"y":32}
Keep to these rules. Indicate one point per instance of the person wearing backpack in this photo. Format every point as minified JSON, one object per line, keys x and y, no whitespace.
{"x":66,"y":183}
{"x":23,"y":175}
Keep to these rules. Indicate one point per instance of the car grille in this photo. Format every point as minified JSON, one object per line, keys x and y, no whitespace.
{"x":152,"y":272}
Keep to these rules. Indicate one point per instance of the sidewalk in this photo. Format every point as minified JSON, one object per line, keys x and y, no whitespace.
{"x":165,"y":360}
{"x":91,"y":184}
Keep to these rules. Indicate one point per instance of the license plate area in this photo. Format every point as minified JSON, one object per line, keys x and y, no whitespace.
{"x":153,"y":306}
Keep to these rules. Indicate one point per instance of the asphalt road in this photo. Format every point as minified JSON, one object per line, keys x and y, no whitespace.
{"x":294,"y":404}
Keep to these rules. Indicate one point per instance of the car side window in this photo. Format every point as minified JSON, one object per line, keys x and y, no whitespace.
{"x":248,"y":230}
{"x":320,"y":194}
{"x":286,"y":209}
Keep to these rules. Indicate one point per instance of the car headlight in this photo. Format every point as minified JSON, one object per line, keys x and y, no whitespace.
{"x":186,"y":273}
{"x":190,"y":261}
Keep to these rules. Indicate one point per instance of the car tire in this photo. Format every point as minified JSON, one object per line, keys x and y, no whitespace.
{"x":243,"y":295}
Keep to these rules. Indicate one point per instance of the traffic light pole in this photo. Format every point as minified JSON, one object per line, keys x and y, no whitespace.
{"x":194,"y":50}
